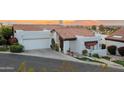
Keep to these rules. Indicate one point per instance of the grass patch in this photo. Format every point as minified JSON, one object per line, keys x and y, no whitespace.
{"x":90,"y":60}
{"x":121,"y":62}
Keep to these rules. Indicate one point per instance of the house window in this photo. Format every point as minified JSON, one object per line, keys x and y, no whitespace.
{"x":91,"y":44}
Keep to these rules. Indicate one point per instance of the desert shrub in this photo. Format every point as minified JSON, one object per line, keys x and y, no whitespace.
{"x":96,"y":55}
{"x":112,"y":49}
{"x":56,"y":47}
{"x":16,"y":48}
{"x":84,"y":52}
{"x":121,"y":51}
{"x":103,"y":46}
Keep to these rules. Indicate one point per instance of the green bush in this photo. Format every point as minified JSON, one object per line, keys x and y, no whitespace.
{"x":96,"y":55}
{"x":112,"y":49}
{"x":16,"y":48}
{"x":84,"y":52}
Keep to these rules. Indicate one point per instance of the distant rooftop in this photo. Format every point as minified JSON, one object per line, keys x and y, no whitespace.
{"x":117,"y":35}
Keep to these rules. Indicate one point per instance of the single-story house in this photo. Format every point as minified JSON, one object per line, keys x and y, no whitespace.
{"x":70,"y":38}
{"x":116,"y":38}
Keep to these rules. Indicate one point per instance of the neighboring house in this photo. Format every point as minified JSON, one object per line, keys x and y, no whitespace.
{"x":69,"y":38}
{"x":116,"y":38}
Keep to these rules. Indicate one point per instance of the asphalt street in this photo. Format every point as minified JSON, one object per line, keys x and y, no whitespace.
{"x":12,"y":62}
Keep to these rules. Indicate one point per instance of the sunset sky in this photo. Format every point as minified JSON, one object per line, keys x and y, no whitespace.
{"x":73,"y":22}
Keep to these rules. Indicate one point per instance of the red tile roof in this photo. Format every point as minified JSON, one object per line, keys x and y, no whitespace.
{"x":72,"y":32}
{"x":65,"y":32}
{"x":117,"y":36}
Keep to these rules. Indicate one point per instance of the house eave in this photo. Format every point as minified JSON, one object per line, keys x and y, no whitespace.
{"x":114,"y":40}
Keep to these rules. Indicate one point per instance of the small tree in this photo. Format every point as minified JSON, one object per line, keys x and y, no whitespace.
{"x":6,"y":32}
{"x":121,"y":51}
{"x":101,"y":28}
{"x":93,"y":27}
{"x":112,"y":49}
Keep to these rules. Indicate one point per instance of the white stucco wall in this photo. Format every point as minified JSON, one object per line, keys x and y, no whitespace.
{"x":81,"y":40}
{"x":118,"y":44}
{"x":72,"y":45}
{"x":100,"y":52}
{"x":65,"y":46}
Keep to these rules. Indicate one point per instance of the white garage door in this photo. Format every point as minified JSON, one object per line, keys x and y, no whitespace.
{"x":30,"y":44}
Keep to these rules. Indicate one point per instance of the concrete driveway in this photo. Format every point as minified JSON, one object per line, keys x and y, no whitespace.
{"x":49,"y":53}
